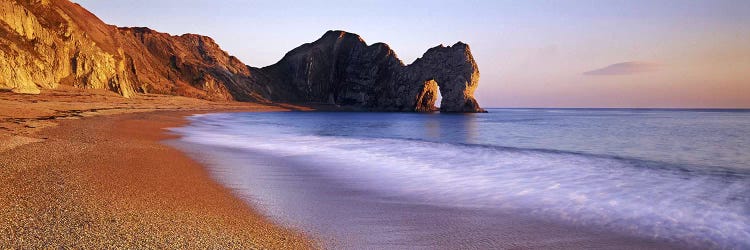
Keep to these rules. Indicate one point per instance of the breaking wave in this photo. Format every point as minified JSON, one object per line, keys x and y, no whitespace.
{"x":678,"y":203}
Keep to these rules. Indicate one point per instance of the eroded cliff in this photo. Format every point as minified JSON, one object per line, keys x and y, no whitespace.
{"x":45,"y":43}
{"x":340,"y":68}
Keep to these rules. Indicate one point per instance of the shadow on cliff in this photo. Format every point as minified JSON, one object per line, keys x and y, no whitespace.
{"x":44,"y":44}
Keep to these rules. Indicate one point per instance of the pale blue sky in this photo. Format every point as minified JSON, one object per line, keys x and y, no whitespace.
{"x":530,"y":53}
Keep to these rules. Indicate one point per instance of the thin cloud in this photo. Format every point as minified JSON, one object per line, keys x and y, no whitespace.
{"x":624,"y":68}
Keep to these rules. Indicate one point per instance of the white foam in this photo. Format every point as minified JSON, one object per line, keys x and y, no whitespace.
{"x":582,"y":189}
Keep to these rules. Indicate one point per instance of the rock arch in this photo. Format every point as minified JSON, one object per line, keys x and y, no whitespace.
{"x":341,"y":69}
{"x":454,"y":71}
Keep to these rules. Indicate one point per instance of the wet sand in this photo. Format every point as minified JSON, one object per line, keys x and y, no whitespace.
{"x":106,"y":181}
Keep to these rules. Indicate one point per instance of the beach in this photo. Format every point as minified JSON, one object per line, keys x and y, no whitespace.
{"x":489,"y":125}
{"x":88,"y":170}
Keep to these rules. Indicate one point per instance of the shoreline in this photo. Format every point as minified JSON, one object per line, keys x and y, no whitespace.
{"x":296,"y":191}
{"x":79,"y":181}
{"x":109,"y":181}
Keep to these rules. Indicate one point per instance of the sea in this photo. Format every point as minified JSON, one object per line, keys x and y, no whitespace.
{"x":510,"y":178}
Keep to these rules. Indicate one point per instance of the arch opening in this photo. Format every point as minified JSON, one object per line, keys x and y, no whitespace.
{"x":427,"y":97}
{"x":439,"y":99}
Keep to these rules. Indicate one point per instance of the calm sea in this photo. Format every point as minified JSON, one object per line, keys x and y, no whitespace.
{"x":680,"y":176}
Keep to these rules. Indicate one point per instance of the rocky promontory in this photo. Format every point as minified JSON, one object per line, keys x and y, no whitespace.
{"x":340,"y":68}
{"x":48,"y":43}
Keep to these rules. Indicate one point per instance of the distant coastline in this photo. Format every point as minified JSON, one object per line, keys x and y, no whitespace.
{"x":339,"y":68}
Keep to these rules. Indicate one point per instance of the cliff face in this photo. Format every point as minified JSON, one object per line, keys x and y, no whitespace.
{"x":188,"y":65}
{"x":45,"y":43}
{"x":340,"y":68}
{"x":41,"y":51}
{"x":454,"y":71}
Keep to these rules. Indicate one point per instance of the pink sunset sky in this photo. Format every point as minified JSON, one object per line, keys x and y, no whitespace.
{"x":663,"y":54}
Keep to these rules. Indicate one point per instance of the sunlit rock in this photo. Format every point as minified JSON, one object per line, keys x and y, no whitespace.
{"x":46,"y":43}
{"x":340,"y":68}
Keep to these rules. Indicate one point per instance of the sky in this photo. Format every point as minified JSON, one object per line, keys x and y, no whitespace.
{"x":576,"y":53}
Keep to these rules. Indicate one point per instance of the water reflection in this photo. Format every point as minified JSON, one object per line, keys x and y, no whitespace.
{"x":462,"y":128}
{"x":361,"y":175}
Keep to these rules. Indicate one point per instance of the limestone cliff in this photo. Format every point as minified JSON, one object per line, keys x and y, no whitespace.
{"x":340,"y":68}
{"x":45,"y":43}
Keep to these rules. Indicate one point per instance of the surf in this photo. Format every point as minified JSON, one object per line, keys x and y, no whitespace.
{"x":682,"y":203}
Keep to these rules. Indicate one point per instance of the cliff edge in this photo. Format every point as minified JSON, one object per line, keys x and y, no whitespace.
{"x":46,"y":43}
